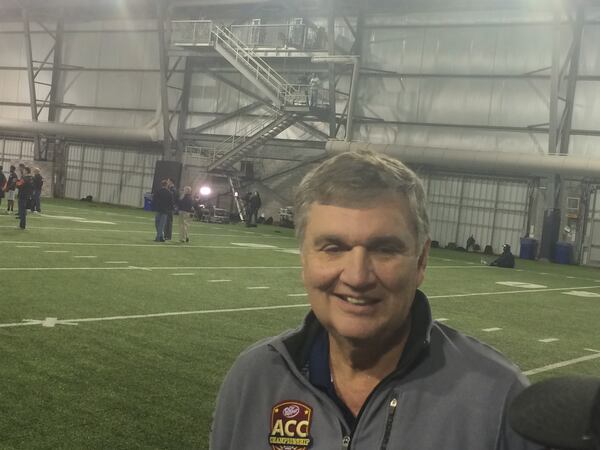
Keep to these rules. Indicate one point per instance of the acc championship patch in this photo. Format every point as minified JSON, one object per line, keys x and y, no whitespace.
{"x":290,"y":426}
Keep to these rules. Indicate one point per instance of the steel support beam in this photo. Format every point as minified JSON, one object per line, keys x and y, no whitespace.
{"x":31,"y":78}
{"x":572,"y":78}
{"x":184,"y":102}
{"x":555,"y":78}
{"x":304,"y":126}
{"x":331,"y":69}
{"x":357,"y":47}
{"x":219,"y":120}
{"x":164,"y":93}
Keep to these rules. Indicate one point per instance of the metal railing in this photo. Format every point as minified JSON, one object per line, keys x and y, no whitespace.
{"x":191,"y":32}
{"x":287,"y":36}
{"x":256,"y":65}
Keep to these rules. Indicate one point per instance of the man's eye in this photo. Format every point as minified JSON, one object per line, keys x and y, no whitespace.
{"x":387,"y":250}
{"x":332,"y":248}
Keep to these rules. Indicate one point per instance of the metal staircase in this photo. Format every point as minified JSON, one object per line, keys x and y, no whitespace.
{"x":256,"y":134}
{"x":256,"y":70}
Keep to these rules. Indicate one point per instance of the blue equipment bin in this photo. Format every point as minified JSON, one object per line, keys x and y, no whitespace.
{"x":563,"y":253}
{"x":148,"y":201}
{"x":528,"y":248}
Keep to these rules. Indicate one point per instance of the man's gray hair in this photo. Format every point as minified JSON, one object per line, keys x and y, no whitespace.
{"x":360,"y":178}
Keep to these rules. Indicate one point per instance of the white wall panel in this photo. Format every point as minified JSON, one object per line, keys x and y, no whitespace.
{"x":112,"y":175}
{"x":14,"y":151}
{"x":492,"y":210}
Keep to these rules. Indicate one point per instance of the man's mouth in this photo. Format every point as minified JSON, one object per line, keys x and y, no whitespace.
{"x":360,"y":301}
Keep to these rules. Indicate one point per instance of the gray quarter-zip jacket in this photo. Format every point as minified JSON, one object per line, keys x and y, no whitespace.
{"x":452,"y":394}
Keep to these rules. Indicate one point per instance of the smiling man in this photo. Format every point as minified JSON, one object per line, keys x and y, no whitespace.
{"x":368,"y":369}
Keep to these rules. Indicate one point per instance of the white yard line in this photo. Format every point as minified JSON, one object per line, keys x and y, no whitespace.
{"x":523,"y":291}
{"x":183,"y":274}
{"x":569,"y":362}
{"x":489,"y":330}
{"x":547,"y":340}
{"x":28,"y":246}
{"x":30,"y":322}
{"x":84,"y":256}
{"x":56,"y":251}
{"x":304,"y":294}
{"x":218,"y":281}
{"x":12,"y":269}
{"x":258,"y":287}
{"x":116,"y":262}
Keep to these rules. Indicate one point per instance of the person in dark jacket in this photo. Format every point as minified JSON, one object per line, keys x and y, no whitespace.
{"x":185,"y":206}
{"x":2,"y":184}
{"x":25,"y":185}
{"x":506,"y":259}
{"x":162,"y":202}
{"x":169,"y":225}
{"x":11,"y":186}
{"x":254,"y":204}
{"x":38,"y":182}
{"x":369,"y":369}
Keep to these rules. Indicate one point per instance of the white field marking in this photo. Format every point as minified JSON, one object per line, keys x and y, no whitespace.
{"x":582,"y":294}
{"x":591,"y":350}
{"x":79,"y":219}
{"x":521,"y":285}
{"x":116,"y":262}
{"x":56,"y":251}
{"x":92,"y":244}
{"x":258,"y":287}
{"x":29,"y":322}
{"x":251,"y":245}
{"x":544,"y":273}
{"x":293,"y":251}
{"x":489,"y":330}
{"x":475,"y":294}
{"x":442,"y":319}
{"x":558,"y":365}
{"x":518,"y":270}
{"x":139,"y":268}
{"x":304,"y":294}
{"x":48,"y":322}
{"x":570,"y":277}
{"x":183,"y":274}
{"x":28,"y":246}
{"x":8,"y":269}
{"x":218,"y":281}
{"x":547,"y":340}
{"x":104,"y":212}
{"x":85,"y":256}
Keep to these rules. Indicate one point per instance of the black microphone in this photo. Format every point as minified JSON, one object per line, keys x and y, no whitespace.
{"x":561,"y":413}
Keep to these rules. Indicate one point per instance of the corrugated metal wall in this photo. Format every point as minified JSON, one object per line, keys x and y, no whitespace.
{"x":494,"y":211}
{"x":14,"y":151}
{"x":114,"y":175}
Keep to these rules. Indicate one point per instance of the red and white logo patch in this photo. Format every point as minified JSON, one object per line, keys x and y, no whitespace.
{"x":290,"y":426}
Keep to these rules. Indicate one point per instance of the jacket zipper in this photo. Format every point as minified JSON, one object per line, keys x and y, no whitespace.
{"x":346,"y":442}
{"x":388,"y":424}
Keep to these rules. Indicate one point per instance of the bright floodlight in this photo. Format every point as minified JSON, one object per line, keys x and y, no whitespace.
{"x":205,"y":190}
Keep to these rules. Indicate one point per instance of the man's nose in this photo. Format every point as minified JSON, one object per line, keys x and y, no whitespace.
{"x":357,"y":270}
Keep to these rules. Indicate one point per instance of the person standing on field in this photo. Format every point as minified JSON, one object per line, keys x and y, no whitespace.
{"x":368,"y":368}
{"x":186,"y":211}
{"x":38,"y":182}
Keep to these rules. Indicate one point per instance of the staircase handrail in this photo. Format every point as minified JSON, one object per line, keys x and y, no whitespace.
{"x":261,"y":68}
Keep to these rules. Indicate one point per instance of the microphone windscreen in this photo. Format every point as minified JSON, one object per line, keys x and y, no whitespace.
{"x":561,"y":413}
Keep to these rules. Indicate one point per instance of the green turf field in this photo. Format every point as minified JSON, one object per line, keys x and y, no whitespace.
{"x":109,"y":340}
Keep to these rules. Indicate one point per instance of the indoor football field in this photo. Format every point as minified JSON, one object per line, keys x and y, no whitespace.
{"x":109,"y":340}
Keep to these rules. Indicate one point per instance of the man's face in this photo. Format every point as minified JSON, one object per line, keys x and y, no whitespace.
{"x":361,"y":267}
